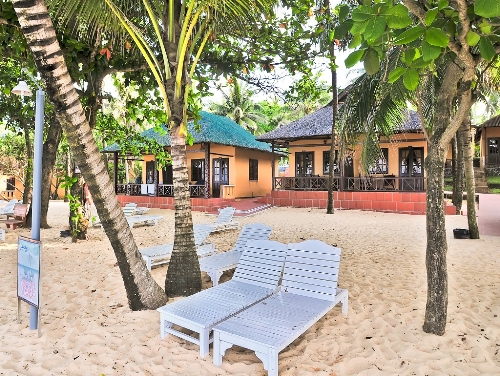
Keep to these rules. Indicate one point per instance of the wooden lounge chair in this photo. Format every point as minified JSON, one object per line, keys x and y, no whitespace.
{"x":256,"y":278}
{"x":225,"y":220}
{"x":217,"y":264}
{"x":160,"y":254}
{"x":308,"y":291}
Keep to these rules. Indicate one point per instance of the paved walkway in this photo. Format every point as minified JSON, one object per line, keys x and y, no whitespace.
{"x":489,"y":214}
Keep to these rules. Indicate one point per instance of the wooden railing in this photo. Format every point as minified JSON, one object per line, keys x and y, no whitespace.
{"x":162,"y":190}
{"x":320,"y":183}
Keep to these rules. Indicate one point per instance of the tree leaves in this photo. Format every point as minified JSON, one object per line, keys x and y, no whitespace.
{"x":436,"y":37}
{"x":354,"y":58}
{"x":487,"y":8}
{"x":472,"y":38}
{"x":409,"y":35}
{"x":374,"y":29}
{"x":410,"y":79}
{"x":486,"y":48}
{"x":398,"y":17}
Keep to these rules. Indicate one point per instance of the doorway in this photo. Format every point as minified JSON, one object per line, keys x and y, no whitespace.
{"x":220,"y":175}
{"x":411,"y":169}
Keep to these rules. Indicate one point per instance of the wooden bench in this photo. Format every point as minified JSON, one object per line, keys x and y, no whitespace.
{"x":18,"y":217}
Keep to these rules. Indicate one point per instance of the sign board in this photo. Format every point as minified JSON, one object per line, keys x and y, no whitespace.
{"x":28,"y":270}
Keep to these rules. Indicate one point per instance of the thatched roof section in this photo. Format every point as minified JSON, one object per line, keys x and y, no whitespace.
{"x":493,"y":122}
{"x":213,"y":129}
{"x":315,"y":124}
{"x":318,"y":124}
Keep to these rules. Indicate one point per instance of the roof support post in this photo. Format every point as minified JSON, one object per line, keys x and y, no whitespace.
{"x":156,"y":177}
{"x":207,"y":170}
{"x":115,"y":170}
{"x":272,"y":166}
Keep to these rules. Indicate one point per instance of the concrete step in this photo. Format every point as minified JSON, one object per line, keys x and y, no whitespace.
{"x":258,"y":209}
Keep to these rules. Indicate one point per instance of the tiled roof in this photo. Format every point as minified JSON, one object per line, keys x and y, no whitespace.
{"x":212,"y":128}
{"x":493,"y":122}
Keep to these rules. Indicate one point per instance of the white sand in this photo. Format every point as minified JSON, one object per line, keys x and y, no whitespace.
{"x":88,"y":329}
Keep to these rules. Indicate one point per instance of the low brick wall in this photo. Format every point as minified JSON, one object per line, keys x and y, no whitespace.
{"x":208,"y":205}
{"x":389,"y":202}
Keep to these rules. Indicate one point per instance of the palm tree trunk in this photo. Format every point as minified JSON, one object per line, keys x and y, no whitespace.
{"x":142,"y":291}
{"x":183,"y":274}
{"x":466,"y":141}
{"x":457,"y":173}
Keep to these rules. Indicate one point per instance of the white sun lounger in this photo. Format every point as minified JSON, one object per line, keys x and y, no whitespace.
{"x":150,"y":220}
{"x":224,"y":220}
{"x":256,"y":278}
{"x":9,"y":207}
{"x":160,"y":254}
{"x":138,"y":210}
{"x":217,"y":264}
{"x":308,"y":291}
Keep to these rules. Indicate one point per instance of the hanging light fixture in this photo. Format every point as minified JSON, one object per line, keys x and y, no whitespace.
{"x":22,"y":89}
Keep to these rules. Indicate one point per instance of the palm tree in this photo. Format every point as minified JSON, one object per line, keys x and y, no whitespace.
{"x":238,"y":106}
{"x":142,"y":291}
{"x":170,"y":35}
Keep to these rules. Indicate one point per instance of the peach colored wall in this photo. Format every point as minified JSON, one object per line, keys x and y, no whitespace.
{"x":238,"y":168}
{"x":317,"y":146}
{"x":401,"y":141}
{"x":247,"y":188}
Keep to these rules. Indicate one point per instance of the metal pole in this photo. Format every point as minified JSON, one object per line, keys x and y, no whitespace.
{"x":36,"y":200}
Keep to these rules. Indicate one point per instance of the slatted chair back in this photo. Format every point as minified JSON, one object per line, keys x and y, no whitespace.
{"x":261,"y":263}
{"x":201,"y":233}
{"x":311,"y":269}
{"x":252,"y":232}
{"x":129,"y":209}
{"x":20,"y":212}
{"x":225,"y":215}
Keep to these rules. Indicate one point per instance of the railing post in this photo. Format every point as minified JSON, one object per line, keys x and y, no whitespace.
{"x":273,"y":185}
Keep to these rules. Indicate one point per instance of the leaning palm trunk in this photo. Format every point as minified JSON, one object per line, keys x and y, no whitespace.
{"x":142,"y":291}
{"x":470,"y":183}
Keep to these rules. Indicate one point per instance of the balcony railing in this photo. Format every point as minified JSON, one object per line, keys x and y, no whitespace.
{"x":384,"y":183}
{"x":163,"y":190}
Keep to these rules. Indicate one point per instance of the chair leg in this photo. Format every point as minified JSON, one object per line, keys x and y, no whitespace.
{"x":217,"y":350}
{"x":163,"y":325}
{"x":272,"y":363}
{"x":204,"y":342}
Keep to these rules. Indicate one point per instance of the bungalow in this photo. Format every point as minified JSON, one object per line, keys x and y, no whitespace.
{"x":489,"y":141}
{"x":225,"y":162}
{"x":396,"y":182}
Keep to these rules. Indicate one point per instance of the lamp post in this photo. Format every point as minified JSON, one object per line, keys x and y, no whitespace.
{"x":22,"y":89}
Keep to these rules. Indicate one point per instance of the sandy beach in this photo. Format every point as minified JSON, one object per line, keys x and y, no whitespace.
{"x":88,"y":329}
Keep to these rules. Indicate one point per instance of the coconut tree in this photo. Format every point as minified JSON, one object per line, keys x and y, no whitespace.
{"x":170,"y":35}
{"x":142,"y":291}
{"x":238,"y":105}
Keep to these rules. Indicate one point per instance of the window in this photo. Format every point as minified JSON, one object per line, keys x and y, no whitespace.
{"x":304,"y":163}
{"x":11,"y":184}
{"x":326,"y":163}
{"x":380,"y":165}
{"x":198,"y":170}
{"x":253,"y":169}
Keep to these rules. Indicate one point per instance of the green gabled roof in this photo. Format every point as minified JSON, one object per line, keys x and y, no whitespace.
{"x":212,"y":128}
